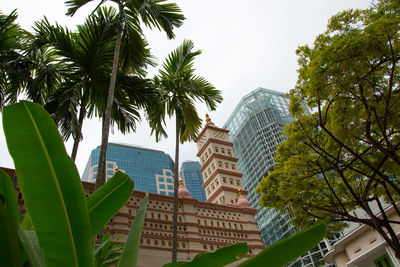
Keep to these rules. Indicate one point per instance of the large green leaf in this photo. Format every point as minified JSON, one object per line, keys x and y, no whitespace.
{"x":219,"y":257}
{"x":50,"y":184}
{"x":130,"y":253}
{"x":10,"y":252}
{"x":26,"y":222}
{"x":8,"y":195}
{"x":30,"y":243}
{"x":289,"y":249}
{"x":106,"y":201}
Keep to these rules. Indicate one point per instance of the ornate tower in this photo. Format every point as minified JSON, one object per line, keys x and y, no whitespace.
{"x":221,"y":176}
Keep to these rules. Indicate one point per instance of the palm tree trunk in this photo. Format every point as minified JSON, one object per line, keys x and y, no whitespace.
{"x":176,"y":184}
{"x":77,"y":139}
{"x":101,"y":172}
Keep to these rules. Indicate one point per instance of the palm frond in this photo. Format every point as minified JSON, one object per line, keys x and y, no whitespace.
{"x":180,"y":60}
{"x":156,"y":13}
{"x":74,"y":5}
{"x":135,"y":54}
{"x":179,"y":88}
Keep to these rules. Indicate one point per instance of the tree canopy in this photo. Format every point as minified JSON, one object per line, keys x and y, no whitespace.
{"x":342,"y":151}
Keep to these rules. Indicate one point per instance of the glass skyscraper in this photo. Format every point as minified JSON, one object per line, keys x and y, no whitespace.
{"x":255,"y":128}
{"x":151,"y":170}
{"x":193,"y":179}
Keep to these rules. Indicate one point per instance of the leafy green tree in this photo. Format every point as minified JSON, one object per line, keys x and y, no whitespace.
{"x":344,"y":154}
{"x":153,"y":13}
{"x":179,"y":88}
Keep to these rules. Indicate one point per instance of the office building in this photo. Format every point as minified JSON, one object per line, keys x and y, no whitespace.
{"x":255,"y":128}
{"x":150,"y":169}
{"x":193,"y":179}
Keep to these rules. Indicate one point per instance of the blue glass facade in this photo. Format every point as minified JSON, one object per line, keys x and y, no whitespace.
{"x":151,"y":170}
{"x":255,"y":128}
{"x":193,"y":179}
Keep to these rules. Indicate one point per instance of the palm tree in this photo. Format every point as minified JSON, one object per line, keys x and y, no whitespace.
{"x":24,"y":66}
{"x":88,"y":54}
{"x":10,"y":44}
{"x":179,"y":88}
{"x":153,"y":13}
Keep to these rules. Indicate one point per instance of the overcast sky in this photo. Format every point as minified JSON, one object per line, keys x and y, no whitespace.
{"x":245,"y":44}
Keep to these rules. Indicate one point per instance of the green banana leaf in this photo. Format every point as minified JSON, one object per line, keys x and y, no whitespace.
{"x":106,"y":201}
{"x":10,"y":252}
{"x":219,"y":257}
{"x":289,"y":249}
{"x":130,"y":253}
{"x":7,"y":193}
{"x":26,"y":222}
{"x":31,"y":246}
{"x":50,"y":185}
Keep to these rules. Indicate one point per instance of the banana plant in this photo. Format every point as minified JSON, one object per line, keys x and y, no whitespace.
{"x":61,"y":223}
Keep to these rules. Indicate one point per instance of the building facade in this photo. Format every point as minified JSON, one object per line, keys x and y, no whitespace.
{"x":221,"y":176}
{"x":193,"y":179}
{"x":255,"y":128}
{"x":363,"y":246}
{"x":150,"y":169}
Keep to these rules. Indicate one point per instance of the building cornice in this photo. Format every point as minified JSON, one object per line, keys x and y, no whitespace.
{"x":222,"y":188}
{"x":213,"y":140}
{"x":218,"y":156}
{"x":212,"y":126}
{"x":237,"y":174}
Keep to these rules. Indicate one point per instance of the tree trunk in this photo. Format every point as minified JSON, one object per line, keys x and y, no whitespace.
{"x":176,"y":184}
{"x":82,"y":115}
{"x":101,"y":172}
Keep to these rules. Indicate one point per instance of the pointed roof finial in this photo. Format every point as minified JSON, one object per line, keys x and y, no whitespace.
{"x":207,"y":118}
{"x":239,"y":192}
{"x":116,"y":169}
{"x":182,"y":191}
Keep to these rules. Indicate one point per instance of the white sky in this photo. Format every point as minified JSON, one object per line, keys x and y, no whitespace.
{"x":245,"y":44}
